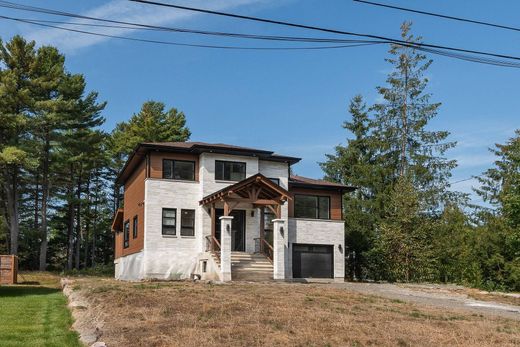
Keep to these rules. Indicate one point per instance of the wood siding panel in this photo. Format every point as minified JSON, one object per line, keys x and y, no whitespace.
{"x":156,"y":162}
{"x":336,"y":212}
{"x":133,"y":206}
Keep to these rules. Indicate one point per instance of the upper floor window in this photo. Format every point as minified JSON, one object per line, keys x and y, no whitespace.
{"x":275,"y":180}
{"x":126,"y":234}
{"x":187,"y":222}
{"x":169,"y":221}
{"x":134,"y":228}
{"x":230,"y":170}
{"x":179,"y":169}
{"x":311,"y":206}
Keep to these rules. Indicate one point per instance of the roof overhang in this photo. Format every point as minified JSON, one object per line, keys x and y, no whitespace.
{"x":257,"y":190}
{"x":117,"y":223}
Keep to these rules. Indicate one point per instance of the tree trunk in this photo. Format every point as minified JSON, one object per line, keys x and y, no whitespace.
{"x":37,"y":201}
{"x":11,"y":188}
{"x":45,"y":198}
{"x":78,"y":220}
{"x":70,"y":229}
{"x":87,"y":225}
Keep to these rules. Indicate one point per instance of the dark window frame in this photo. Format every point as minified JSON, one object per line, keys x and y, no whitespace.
{"x":183,"y":227}
{"x":135,"y":226}
{"x":274,"y":180}
{"x":126,"y":234}
{"x":317,"y":208}
{"x":230,"y":162}
{"x":174,"y":227}
{"x":172,"y":163}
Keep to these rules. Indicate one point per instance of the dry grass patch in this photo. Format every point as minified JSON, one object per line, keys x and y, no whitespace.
{"x":242,"y":314}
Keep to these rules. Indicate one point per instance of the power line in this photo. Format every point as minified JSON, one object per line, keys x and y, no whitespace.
{"x":133,"y":25}
{"x":439,"y":15}
{"x":333,"y":31}
{"x":464,"y":180}
{"x":340,"y":43}
{"x":183,"y":44}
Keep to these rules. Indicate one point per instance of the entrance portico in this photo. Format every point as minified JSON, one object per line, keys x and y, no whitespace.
{"x":260,"y":193}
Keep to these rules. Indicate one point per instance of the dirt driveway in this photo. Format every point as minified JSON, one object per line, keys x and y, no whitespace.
{"x":442,"y":296}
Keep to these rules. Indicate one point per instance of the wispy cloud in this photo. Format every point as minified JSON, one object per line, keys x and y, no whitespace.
{"x":130,"y":12}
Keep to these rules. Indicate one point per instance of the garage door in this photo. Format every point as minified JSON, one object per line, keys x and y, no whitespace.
{"x":312,"y":261}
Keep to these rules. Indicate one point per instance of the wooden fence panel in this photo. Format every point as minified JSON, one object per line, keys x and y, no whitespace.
{"x":8,"y":269}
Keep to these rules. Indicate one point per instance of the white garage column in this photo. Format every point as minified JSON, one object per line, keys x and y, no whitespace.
{"x":280,"y":245}
{"x":225,"y":248}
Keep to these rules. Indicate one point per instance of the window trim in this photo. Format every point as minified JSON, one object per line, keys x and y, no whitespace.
{"x":317,"y":206}
{"x":168,"y":226}
{"x":231,"y":162}
{"x":126,"y":234}
{"x":193,"y":227}
{"x":173,"y":161}
{"x":135,"y":227}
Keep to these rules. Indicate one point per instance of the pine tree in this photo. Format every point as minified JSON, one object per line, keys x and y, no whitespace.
{"x":406,"y":146}
{"x":16,"y":100}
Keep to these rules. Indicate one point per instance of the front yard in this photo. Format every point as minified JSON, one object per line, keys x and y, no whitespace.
{"x":254,"y":314}
{"x":35,"y":313}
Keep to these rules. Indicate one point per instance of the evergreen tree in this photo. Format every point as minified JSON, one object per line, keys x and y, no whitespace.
{"x":407,"y":147}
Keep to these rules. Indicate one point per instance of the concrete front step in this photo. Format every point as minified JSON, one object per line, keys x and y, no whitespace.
{"x":250,"y":267}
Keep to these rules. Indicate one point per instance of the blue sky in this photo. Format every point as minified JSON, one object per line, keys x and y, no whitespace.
{"x":293,"y":102}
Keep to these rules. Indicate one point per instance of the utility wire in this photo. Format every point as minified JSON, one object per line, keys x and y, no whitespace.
{"x":133,"y":25}
{"x":464,"y":180}
{"x":333,"y":31}
{"x":183,"y":44}
{"x":340,"y":43}
{"x":439,"y":15}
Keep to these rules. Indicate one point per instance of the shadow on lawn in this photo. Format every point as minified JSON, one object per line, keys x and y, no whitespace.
{"x":17,"y":290}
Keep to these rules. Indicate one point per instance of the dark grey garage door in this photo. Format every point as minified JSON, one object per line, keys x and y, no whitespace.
{"x":312,"y":261}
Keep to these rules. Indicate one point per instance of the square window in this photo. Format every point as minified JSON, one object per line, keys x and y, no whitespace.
{"x":230,"y":170}
{"x":179,"y":169}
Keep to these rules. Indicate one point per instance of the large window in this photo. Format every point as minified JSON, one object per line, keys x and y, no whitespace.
{"x":230,"y":170}
{"x":126,"y":234}
{"x":169,"y":221}
{"x":311,"y":206}
{"x":275,"y":180}
{"x":179,"y":169}
{"x":134,"y":228}
{"x":187,"y":222}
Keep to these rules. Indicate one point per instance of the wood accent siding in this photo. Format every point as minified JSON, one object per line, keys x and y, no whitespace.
{"x":336,"y":212}
{"x":156,"y":162}
{"x":133,"y":206}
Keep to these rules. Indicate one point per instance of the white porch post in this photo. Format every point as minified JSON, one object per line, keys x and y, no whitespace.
{"x":280,"y":245}
{"x":225,"y":248}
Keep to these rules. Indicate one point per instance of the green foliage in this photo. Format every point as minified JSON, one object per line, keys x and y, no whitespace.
{"x":151,"y":124}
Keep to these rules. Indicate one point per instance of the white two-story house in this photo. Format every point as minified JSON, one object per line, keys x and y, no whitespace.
{"x":223,"y":212}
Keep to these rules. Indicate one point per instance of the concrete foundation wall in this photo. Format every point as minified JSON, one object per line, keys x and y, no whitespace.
{"x":130,"y":267}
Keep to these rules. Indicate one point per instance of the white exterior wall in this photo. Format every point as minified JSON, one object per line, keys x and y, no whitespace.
{"x":320,"y":232}
{"x":166,"y":256}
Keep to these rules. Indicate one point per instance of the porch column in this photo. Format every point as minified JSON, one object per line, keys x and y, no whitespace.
{"x":280,"y":245}
{"x":225,"y":248}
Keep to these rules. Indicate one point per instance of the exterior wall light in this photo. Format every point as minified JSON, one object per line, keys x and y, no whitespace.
{"x":340,"y":248}
{"x":281,"y":230}
{"x":228,"y":228}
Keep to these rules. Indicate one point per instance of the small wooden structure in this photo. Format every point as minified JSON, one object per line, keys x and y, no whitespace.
{"x":8,"y":269}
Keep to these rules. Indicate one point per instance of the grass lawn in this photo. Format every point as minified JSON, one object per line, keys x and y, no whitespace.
{"x":246,"y":314}
{"x":35,"y":313}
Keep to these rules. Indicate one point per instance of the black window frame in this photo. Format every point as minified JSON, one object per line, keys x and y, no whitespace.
{"x":183,"y":227}
{"x":229,"y":162}
{"x":275,"y":180}
{"x":317,"y":208}
{"x":126,"y":234}
{"x":135,"y":226}
{"x":172,"y":163}
{"x":174,"y":227}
